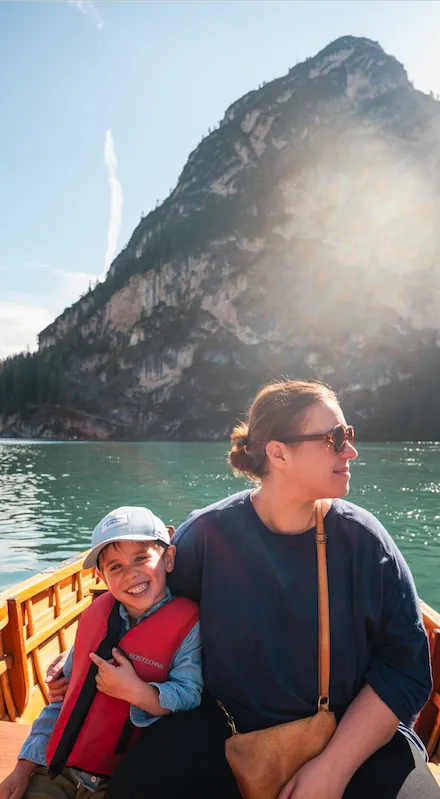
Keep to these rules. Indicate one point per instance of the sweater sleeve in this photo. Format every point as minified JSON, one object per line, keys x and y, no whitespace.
{"x":399,"y":670}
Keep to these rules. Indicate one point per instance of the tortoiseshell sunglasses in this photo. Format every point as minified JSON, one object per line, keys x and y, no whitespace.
{"x":337,"y":438}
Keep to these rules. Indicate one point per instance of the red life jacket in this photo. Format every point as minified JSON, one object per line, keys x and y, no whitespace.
{"x":96,"y":724}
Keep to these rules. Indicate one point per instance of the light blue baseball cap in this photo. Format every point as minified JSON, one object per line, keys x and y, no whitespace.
{"x":126,"y":524}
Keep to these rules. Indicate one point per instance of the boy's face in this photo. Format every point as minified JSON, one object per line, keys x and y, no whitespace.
{"x":135,"y":573}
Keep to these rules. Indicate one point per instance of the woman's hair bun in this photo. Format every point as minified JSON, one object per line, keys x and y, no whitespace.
{"x":240,"y":436}
{"x":238,"y":456}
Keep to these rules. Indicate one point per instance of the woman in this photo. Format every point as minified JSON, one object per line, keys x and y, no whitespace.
{"x":250,"y":561}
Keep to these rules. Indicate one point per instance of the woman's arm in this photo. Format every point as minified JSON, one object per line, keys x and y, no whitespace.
{"x":398,"y":683}
{"x":399,"y":670}
{"x":58,"y":675}
{"x":367,"y":725}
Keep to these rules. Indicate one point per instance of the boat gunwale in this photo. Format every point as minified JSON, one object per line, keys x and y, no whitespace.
{"x":430,"y":613}
{"x":4,"y":612}
{"x":44,"y":579}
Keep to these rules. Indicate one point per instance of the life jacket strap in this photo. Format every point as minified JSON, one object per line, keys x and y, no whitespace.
{"x":124,"y":740}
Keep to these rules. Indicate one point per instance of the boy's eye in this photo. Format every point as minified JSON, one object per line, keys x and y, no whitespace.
{"x":115,"y":566}
{"x":141,"y":557}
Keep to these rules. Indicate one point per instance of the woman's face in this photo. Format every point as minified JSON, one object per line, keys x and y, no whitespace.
{"x":312,"y":469}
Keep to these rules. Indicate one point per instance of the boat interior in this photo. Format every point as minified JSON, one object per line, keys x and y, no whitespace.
{"x":38,"y":621}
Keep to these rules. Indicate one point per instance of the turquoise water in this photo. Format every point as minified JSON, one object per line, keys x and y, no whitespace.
{"x":53,"y":494}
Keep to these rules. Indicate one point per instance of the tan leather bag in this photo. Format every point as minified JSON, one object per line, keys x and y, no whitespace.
{"x":264,"y":760}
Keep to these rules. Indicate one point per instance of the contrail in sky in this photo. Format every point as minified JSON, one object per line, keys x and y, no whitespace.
{"x":115,"y":220}
{"x":89,"y":9}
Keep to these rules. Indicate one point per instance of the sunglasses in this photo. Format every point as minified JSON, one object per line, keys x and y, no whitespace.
{"x":336,"y":438}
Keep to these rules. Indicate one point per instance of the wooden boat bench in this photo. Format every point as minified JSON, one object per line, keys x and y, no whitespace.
{"x":12,"y":736}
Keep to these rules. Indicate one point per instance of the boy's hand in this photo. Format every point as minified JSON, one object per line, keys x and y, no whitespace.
{"x":14,"y":786}
{"x":56,"y":683}
{"x":119,"y":680}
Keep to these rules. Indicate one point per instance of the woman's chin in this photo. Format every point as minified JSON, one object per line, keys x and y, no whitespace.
{"x":340,"y":487}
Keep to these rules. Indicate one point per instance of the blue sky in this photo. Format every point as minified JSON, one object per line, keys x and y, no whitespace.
{"x":124,"y":91}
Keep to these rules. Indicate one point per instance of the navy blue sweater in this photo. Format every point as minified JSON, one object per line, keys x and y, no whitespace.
{"x":259,"y":619}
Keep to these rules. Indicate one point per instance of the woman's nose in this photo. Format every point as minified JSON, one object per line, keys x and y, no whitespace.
{"x":349,"y":452}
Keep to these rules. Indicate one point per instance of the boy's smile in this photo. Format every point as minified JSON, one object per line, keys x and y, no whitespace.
{"x":138,"y":589}
{"x":135,"y":573}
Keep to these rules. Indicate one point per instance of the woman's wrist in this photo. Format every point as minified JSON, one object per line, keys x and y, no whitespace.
{"x":338,"y":771}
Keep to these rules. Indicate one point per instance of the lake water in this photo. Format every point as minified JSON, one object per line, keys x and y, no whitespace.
{"x":53,"y":494}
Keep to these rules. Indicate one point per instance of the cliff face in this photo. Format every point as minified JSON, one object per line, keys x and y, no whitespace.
{"x":301,"y":239}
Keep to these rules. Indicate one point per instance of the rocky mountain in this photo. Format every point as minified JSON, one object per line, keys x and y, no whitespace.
{"x":302,"y":239}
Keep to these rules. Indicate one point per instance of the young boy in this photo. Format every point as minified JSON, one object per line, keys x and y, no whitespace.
{"x":137,"y":657}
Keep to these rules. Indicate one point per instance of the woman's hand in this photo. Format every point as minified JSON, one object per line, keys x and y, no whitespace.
{"x":55,"y":681}
{"x":16,"y":783}
{"x":117,"y":679}
{"x":315,"y":780}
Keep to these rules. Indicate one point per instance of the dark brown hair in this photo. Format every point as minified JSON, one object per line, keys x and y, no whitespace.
{"x":277,"y":410}
{"x":117,"y":545}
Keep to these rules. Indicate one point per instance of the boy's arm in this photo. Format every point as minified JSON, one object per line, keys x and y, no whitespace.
{"x":33,"y":751}
{"x":34,"y":747}
{"x":16,"y":783}
{"x":181,"y":691}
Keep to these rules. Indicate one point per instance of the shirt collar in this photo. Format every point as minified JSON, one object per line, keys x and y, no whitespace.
{"x":126,"y":618}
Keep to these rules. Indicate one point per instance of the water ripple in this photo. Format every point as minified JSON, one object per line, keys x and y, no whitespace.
{"x":53,"y":494}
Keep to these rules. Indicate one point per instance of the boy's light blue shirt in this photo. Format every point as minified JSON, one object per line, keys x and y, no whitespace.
{"x":181,"y":691}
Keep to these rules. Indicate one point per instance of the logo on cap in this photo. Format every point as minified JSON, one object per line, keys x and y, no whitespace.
{"x":115,"y":520}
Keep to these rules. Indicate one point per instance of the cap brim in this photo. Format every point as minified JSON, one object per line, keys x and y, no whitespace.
{"x":91,"y":559}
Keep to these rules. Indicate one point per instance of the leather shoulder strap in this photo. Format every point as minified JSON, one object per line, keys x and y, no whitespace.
{"x":323,"y":610}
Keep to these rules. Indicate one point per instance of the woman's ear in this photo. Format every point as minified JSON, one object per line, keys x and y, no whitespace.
{"x":169,"y":557}
{"x":276,"y":453}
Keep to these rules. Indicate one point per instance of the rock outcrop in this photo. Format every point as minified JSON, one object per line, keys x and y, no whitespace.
{"x":302,"y":239}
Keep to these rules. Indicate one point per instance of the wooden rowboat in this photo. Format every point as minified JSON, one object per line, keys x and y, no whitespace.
{"x":38,"y":620}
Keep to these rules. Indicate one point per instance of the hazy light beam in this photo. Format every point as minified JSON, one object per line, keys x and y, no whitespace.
{"x":115,"y":219}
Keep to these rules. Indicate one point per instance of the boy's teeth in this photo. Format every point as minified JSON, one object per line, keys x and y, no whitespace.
{"x":137,"y":589}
